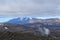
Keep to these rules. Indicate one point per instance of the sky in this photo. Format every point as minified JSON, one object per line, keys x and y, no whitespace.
{"x":2,"y":20}
{"x":31,"y":8}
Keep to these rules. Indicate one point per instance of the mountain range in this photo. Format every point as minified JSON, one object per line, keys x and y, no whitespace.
{"x":26,"y":20}
{"x":31,"y":25}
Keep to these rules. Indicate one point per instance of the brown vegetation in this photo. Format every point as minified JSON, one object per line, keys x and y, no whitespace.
{"x":23,"y":36}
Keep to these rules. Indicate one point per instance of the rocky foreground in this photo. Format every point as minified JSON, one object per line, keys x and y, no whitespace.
{"x":24,"y":36}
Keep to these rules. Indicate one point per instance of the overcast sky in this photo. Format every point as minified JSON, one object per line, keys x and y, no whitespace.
{"x":32,"y":8}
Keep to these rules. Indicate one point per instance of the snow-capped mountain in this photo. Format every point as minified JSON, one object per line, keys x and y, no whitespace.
{"x":24,"y":20}
{"x":19,"y":20}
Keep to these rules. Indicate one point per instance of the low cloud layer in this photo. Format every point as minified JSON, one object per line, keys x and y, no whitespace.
{"x":42,"y":8}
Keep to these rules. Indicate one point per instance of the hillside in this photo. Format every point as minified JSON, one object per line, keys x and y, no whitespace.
{"x":22,"y":36}
{"x":24,"y":32}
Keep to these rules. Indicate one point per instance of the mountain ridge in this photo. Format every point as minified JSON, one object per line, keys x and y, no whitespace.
{"x":26,"y":20}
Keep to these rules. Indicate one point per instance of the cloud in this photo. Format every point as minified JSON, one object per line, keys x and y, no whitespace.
{"x":42,"y":8}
